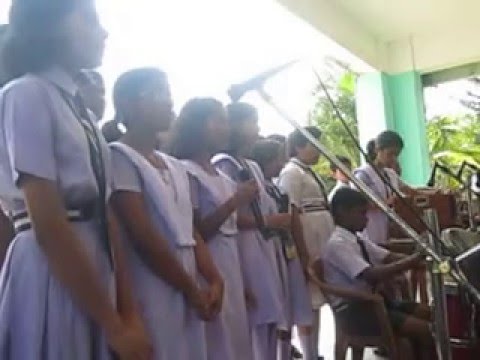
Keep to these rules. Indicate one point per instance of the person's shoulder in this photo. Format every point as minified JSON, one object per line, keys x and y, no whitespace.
{"x":291,"y":169}
{"x":169,"y":158}
{"x":253,"y":164}
{"x":222,"y":158}
{"x":172,"y":161}
{"x":362,"y":169}
{"x":25,"y":87}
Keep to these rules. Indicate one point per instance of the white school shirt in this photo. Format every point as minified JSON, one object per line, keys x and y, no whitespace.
{"x":337,"y":187}
{"x":343,"y":261}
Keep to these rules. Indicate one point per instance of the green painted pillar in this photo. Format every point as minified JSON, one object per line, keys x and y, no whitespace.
{"x":395,"y":102}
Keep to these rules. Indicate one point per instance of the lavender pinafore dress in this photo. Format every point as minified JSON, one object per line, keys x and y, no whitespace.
{"x":378,"y":222}
{"x":228,"y":336}
{"x":297,"y":301}
{"x":256,"y":253}
{"x":41,"y":136}
{"x":174,"y":327}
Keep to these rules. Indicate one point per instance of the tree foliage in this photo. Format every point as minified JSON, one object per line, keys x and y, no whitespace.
{"x":456,"y":139}
{"x":340,"y":82}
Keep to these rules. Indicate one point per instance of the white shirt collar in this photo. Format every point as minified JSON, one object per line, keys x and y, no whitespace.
{"x":345,"y":234}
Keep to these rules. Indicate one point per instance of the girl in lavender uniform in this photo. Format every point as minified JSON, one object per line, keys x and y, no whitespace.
{"x":151,"y":195}
{"x":200,"y":131}
{"x":383,"y":153}
{"x":307,"y":192}
{"x":270,"y":156}
{"x":257,"y":252}
{"x":63,"y":293}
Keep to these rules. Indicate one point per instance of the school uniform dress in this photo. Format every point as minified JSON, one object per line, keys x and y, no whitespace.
{"x":260,"y":272}
{"x":173,"y":325}
{"x":297,"y":302}
{"x":339,"y":185}
{"x":307,"y":192}
{"x":346,"y":256}
{"x":228,"y":335}
{"x":378,"y":222}
{"x":42,"y":136}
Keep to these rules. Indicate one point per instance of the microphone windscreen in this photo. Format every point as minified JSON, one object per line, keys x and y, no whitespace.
{"x":236,"y":92}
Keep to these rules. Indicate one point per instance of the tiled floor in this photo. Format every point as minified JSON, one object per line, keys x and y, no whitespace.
{"x":327,"y":337}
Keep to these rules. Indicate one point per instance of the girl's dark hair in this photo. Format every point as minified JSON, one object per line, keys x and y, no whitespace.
{"x":188,"y":136}
{"x":371,"y":150}
{"x":344,"y":160}
{"x":297,"y":139}
{"x":129,"y":86}
{"x":346,"y":199}
{"x":385,"y":140}
{"x":389,"y":139}
{"x":238,"y":114}
{"x":265,"y":151}
{"x":34,"y":39}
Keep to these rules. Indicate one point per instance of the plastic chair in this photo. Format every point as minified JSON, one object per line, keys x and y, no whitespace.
{"x":357,"y":343}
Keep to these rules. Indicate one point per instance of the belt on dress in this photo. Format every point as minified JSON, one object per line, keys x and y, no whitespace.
{"x":22,"y":222}
{"x":314,"y":208}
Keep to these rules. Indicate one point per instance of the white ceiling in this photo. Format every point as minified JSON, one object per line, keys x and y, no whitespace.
{"x":389,"y":20}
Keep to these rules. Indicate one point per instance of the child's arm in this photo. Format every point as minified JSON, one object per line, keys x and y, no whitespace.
{"x":377,"y":273}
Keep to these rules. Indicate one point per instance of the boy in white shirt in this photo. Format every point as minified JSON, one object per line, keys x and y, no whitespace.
{"x":360,"y":265}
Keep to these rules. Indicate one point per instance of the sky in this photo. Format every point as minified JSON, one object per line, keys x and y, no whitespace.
{"x":206,"y":46}
{"x":444,"y":99}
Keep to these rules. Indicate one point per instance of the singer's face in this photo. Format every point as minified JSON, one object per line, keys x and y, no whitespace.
{"x":84,"y":38}
{"x":309,"y":154}
{"x":359,"y":218}
{"x":388,"y":157}
{"x":250,"y":132}
{"x":157,"y":107}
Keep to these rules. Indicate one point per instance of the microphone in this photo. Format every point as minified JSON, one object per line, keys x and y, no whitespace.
{"x":236,"y":91}
{"x":244,"y":175}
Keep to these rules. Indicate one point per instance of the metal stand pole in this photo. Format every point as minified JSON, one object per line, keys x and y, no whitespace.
{"x":440,"y":321}
{"x":471,"y":219}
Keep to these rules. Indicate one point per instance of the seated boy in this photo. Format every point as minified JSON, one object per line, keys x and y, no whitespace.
{"x":358,"y":264}
{"x":337,"y":174}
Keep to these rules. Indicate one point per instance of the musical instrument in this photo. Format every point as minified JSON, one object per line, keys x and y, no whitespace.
{"x":463,"y":323}
{"x":444,"y":204}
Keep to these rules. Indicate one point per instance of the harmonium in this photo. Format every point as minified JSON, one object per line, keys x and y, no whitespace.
{"x":411,"y":207}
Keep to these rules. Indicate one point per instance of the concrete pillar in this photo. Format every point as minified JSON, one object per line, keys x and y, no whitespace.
{"x":395,"y":102}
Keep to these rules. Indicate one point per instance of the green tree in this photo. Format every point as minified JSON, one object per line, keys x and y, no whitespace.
{"x":340,"y":82}
{"x":453,"y":140}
